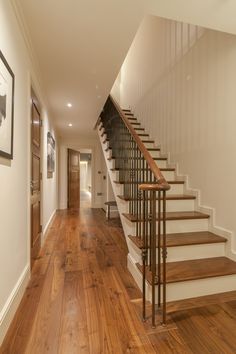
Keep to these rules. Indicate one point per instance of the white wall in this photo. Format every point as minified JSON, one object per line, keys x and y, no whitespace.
{"x":15,"y":175}
{"x":184,"y":92}
{"x":97,"y":166}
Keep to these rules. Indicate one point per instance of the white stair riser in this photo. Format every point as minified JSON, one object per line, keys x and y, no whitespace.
{"x":155,"y":153}
{"x":169,"y":175}
{"x":175,"y":226}
{"x":187,"y":289}
{"x":184,"y":253}
{"x":149,"y":145}
{"x":175,"y":188}
{"x":177,"y":205}
{"x":161,"y":163}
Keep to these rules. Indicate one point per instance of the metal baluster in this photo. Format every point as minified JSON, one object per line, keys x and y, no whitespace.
{"x":164,"y":255}
{"x":144,"y":254}
{"x":159,"y":249}
{"x":153,"y":256}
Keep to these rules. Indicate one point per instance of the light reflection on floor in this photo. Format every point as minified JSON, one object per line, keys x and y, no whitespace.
{"x":85,"y":199}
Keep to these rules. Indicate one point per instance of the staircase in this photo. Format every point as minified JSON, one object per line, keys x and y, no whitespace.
{"x":172,"y":254}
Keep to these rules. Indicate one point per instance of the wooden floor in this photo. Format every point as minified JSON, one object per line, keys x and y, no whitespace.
{"x":82,"y":299}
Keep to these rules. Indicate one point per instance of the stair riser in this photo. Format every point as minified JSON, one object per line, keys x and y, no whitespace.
{"x":174,"y":226}
{"x":183,"y":253}
{"x":187,"y":289}
{"x":149,"y":145}
{"x":175,"y":189}
{"x":155,"y":153}
{"x":169,"y":175}
{"x":171,"y":205}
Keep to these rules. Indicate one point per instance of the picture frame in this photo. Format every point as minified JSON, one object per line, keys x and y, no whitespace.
{"x":7,"y":87}
{"x":50,"y":155}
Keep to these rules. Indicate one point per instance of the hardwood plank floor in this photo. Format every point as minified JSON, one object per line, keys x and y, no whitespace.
{"x":82,"y":299}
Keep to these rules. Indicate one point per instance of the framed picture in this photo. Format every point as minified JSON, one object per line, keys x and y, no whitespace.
{"x":7,"y":81}
{"x":50,"y":155}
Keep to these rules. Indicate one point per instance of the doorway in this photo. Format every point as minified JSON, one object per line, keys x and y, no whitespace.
{"x":73,"y":179}
{"x":35,"y":184}
{"x":85,"y":178}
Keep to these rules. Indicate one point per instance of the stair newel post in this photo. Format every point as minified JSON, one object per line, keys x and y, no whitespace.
{"x":159,"y":249}
{"x":164,"y":256}
{"x":153,"y":245}
{"x":150,"y":223}
{"x":144,"y":253}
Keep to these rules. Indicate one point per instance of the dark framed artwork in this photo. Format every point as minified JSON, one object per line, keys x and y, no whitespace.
{"x":50,"y":155}
{"x":7,"y":82}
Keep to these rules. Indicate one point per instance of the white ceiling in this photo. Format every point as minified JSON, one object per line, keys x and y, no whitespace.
{"x":81,"y":45}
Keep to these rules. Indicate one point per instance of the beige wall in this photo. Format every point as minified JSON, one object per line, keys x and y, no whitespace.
{"x":181,"y":83}
{"x":15,"y":174}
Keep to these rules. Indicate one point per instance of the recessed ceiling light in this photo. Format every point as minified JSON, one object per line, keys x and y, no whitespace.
{"x":70,"y":125}
{"x":69,"y":105}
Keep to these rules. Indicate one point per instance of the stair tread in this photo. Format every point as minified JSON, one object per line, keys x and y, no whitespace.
{"x":130,"y":182}
{"x":185,"y":239}
{"x":140,"y":169}
{"x":132,"y":158}
{"x":168,"y":197}
{"x":196,"y":269}
{"x":173,"y":215}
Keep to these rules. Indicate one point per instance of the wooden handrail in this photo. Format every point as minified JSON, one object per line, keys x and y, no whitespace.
{"x":161,"y":183}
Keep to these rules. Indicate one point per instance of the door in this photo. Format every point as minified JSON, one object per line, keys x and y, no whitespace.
{"x":36,"y":228}
{"x":73,"y":179}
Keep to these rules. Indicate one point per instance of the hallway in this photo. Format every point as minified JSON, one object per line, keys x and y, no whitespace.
{"x":82,"y":299}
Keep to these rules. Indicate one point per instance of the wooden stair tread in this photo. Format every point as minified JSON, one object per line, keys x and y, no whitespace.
{"x":196,"y":269}
{"x":140,"y":169}
{"x":148,"y":141}
{"x":168,"y":197}
{"x":173,"y":215}
{"x":185,"y":239}
{"x":132,"y":158}
{"x":130,"y":182}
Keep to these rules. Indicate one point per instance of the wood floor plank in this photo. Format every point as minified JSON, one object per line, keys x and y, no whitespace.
{"x":82,"y":299}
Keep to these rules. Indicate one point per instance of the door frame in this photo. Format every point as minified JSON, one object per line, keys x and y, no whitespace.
{"x":68,"y":175}
{"x":34,"y":100}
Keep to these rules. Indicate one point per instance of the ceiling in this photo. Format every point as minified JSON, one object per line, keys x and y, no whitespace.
{"x":81,"y":45}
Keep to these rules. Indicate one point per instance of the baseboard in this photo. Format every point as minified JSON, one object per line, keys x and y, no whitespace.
{"x":47,"y":226}
{"x":13,"y":302}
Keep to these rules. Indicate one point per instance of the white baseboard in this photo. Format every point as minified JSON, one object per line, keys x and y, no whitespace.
{"x":13,"y":301}
{"x":45,"y":229}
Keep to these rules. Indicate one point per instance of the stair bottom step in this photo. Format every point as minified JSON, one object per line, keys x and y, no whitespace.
{"x":196,"y":269}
